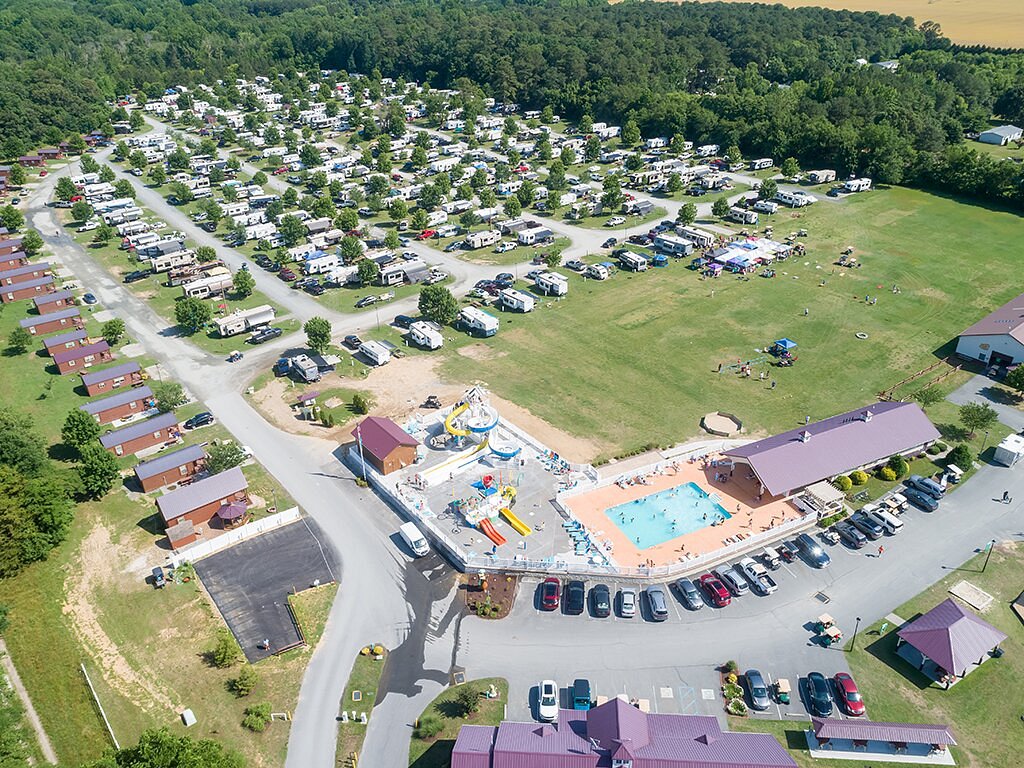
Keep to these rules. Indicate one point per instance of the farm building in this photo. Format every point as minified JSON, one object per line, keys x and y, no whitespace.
{"x":173,"y":467}
{"x":119,"y":406}
{"x":787,"y":463}
{"x":997,"y":339}
{"x":145,"y":434}
{"x":99,"y":382}
{"x":384,"y":445}
{"x":1001,"y":136}
{"x":185,"y":510}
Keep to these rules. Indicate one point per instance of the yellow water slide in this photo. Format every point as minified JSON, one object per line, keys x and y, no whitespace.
{"x":449,"y":423}
{"x":517,"y":525}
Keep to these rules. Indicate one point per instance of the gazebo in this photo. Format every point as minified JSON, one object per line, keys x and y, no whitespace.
{"x":233,"y":514}
{"x":948,"y":642}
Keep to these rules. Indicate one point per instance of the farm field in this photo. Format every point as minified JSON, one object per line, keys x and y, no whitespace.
{"x":632,"y":361}
{"x":983,"y":22}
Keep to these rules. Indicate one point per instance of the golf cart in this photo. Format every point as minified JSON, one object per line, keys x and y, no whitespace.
{"x":235,"y":356}
{"x":432,"y":402}
{"x":782,"y":690}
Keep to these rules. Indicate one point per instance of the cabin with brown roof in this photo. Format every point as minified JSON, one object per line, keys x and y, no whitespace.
{"x":30,"y":161}
{"x":74,"y":359}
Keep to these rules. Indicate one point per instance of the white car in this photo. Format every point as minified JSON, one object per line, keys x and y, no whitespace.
{"x":136,"y":172}
{"x":503,"y":247}
{"x":547,"y":701}
{"x":627,"y":603}
{"x":615,"y":221}
{"x":89,"y":226}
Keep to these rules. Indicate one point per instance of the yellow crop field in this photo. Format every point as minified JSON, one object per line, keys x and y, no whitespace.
{"x":998,"y":23}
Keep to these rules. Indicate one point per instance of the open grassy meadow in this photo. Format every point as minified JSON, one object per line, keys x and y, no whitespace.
{"x":997,"y":23}
{"x":634,"y":360}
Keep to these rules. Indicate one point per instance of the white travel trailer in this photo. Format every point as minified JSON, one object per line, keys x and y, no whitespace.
{"x":797,"y":198}
{"x":552,"y":284}
{"x":698,"y":237}
{"x":857,"y":185}
{"x":213,"y":284}
{"x":634,"y":262}
{"x":318,"y":263}
{"x":478,"y":240}
{"x":742,"y":215}
{"x":516,"y":301}
{"x":375,"y":352}
{"x":425,"y":335}
{"x":477,"y":322}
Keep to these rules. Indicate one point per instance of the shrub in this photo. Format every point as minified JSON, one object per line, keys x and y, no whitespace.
{"x":731,"y":678}
{"x":940,"y":445}
{"x":360,"y":404}
{"x":843,"y":483}
{"x":859,"y":477}
{"x":887,"y":473}
{"x":257,"y":717}
{"x":962,"y":456}
{"x":899,"y":465}
{"x":428,"y":727}
{"x":733,"y":691}
{"x":730,"y":666}
{"x":246,"y":681}
{"x":736,"y":707}
{"x":226,"y":652}
{"x":933,"y":450}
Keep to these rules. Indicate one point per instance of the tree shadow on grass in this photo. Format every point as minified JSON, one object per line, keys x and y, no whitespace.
{"x":152,"y":524}
{"x":884,"y":650}
{"x":953,"y":432}
{"x":438,"y":756}
{"x":450,"y":709}
{"x":796,"y":740}
{"x":62,"y":452}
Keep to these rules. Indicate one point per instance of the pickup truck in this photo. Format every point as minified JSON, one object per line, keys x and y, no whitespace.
{"x":758,"y":576}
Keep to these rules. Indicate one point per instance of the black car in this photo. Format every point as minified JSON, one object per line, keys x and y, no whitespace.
{"x":819,"y":695}
{"x":199,"y":420}
{"x":601,"y":601}
{"x":314,"y":289}
{"x":264,"y":335}
{"x":867,"y":526}
{"x":574,"y":598}
{"x":138,"y":274}
{"x":610,"y":242}
{"x":263,"y":260}
{"x":404,"y":321}
{"x":812,"y":551}
{"x":920,"y":499}
{"x":851,"y":535}
{"x":352,"y":341}
{"x":366,"y":301}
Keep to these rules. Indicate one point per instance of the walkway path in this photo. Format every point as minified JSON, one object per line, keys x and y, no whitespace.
{"x":30,"y":712}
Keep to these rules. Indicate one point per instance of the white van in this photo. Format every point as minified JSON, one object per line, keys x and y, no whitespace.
{"x":887,"y":520}
{"x":417,"y":542}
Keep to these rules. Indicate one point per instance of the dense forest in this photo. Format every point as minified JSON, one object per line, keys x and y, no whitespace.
{"x":775,"y":81}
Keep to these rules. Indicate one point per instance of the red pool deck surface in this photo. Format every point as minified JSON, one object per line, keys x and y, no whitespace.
{"x":738,"y":495}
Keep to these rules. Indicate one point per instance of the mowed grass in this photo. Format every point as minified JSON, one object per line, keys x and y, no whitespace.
{"x":633,"y":360}
{"x":986,"y":22}
{"x":437,"y":752}
{"x":364,"y":678}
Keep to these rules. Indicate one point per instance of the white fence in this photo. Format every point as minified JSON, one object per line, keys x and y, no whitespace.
{"x":202,"y":549}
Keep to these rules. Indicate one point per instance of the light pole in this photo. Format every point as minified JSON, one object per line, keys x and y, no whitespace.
{"x":983,"y":443}
{"x":853,"y":639}
{"x":988,"y":554}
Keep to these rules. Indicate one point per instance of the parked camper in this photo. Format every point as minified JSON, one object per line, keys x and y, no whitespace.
{"x":766,"y":206}
{"x":669,"y":243}
{"x":132,"y":228}
{"x":698,"y":237}
{"x":634,"y":262}
{"x":761,"y":164}
{"x":412,"y":536}
{"x":742,"y":215}
{"x":303,"y":367}
{"x":516,"y":301}
{"x":797,"y":198}
{"x":375,"y":352}
{"x":214,"y":284}
{"x":552,"y":284}
{"x":425,"y":335}
{"x":478,"y":240}
{"x":477,"y":322}
{"x":318,"y":263}
{"x":597,"y":272}
{"x":436,"y":218}
{"x":821,"y":177}
{"x":857,"y":185}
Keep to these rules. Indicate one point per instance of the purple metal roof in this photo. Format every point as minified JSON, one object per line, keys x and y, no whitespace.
{"x":951,"y":636}
{"x":181,"y":501}
{"x":617,"y":728}
{"x":37,"y":283}
{"x":473,"y":746}
{"x":121,"y":398}
{"x":788,"y":462}
{"x":907,"y":733}
{"x":51,"y":297}
{"x":381,"y":436}
{"x":1009,"y":318}
{"x":64,"y":314}
{"x":171,"y":460}
{"x":124,"y":369}
{"x":63,"y":338}
{"x":25,"y":269}
{"x":138,"y":429}
{"x":77,"y":353}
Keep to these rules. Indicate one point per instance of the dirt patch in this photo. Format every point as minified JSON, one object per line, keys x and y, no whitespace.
{"x":400,"y":388}
{"x":571,"y":447}
{"x":92,"y":571}
{"x":272,"y":403}
{"x":481,"y":352}
{"x":493,"y":603}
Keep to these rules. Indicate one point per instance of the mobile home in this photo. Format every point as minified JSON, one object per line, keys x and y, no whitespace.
{"x":516,"y":301}
{"x":821,"y":177}
{"x":319,"y":262}
{"x":669,"y":243}
{"x":634,"y":262}
{"x":219,"y":282}
{"x":797,"y":198}
{"x":477,"y":322}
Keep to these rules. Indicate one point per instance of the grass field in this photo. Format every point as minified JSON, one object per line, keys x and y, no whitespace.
{"x":437,"y":752}
{"x":985,"y":22}
{"x":633,"y":360}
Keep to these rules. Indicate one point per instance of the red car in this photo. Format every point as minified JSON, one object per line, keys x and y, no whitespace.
{"x":550,"y":589}
{"x":715,"y":589}
{"x":849,"y":697}
{"x":43,"y":173}
{"x":282,"y":169}
{"x":426,"y":234}
{"x":287,"y":275}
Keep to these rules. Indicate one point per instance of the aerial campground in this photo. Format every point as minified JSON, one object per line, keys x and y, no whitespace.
{"x":511,"y":384}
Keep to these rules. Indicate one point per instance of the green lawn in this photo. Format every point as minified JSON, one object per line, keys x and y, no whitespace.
{"x":984,"y":708}
{"x":633,"y":360}
{"x":364,"y":678}
{"x":436,"y":752}
{"x":789,"y":733}
{"x":598,"y":222}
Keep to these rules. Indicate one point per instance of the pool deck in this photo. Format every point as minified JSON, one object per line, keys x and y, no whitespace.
{"x":738,"y":495}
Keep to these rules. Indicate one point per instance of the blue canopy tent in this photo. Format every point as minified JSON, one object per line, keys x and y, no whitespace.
{"x":783,"y":347}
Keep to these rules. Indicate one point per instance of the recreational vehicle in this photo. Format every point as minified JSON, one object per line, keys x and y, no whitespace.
{"x":698,"y":237}
{"x":243,"y":320}
{"x":478,"y":240}
{"x":318,"y":263}
{"x":857,"y":185}
{"x":552,"y":284}
{"x":597,"y":272}
{"x":375,"y":352}
{"x":761,"y":164}
{"x":742,"y":215}
{"x":634,"y":262}
{"x":516,"y":301}
{"x":821,"y":177}
{"x":219,"y":282}
{"x":477,"y":322}
{"x":669,"y":243}
{"x":797,"y":198}
{"x":766,"y":206}
{"x":425,"y":335}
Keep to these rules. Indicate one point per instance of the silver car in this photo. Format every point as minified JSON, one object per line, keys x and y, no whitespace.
{"x":656,"y":602}
{"x":627,"y":603}
{"x":759,"y":698}
{"x":689,"y":594}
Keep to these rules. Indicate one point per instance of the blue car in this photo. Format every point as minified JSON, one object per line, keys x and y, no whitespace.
{"x":921,"y":499}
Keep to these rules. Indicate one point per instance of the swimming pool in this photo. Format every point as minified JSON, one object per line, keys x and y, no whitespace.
{"x":662,"y":516}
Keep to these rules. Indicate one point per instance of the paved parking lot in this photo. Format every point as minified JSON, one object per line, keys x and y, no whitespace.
{"x":250,"y":583}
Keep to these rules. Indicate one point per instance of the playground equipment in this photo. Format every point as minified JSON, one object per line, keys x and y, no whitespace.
{"x":471,"y":416}
{"x":503,"y":446}
{"x":517,"y":525}
{"x":488,"y":530}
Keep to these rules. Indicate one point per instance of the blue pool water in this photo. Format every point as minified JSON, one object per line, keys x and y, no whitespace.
{"x":662,"y":516}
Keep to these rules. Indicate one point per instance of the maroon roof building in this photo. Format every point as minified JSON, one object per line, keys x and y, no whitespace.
{"x":616,"y":735}
{"x":10,"y":245}
{"x":23,"y":273}
{"x":787,"y":463}
{"x":172,"y":467}
{"x":384,"y":445}
{"x":54,"y":302}
{"x":185,"y":510}
{"x":35,"y":288}
{"x":137,"y":437}
{"x":66,"y":340}
{"x":101,"y":382}
{"x":13,"y":259}
{"x":119,"y":406}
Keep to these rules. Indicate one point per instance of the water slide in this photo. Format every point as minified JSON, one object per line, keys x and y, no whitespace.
{"x":449,"y":422}
{"x":491,"y":532}
{"x":505,"y":449}
{"x":517,"y":525}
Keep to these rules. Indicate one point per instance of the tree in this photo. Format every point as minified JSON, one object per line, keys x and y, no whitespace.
{"x":586,"y":124}
{"x":246,"y":681}
{"x":11,"y":218}
{"x":630,"y":134}
{"x":192,"y":314}
{"x":556,"y":176}
{"x":347,"y":219}
{"x":512,"y":208}
{"x":16,"y":178}
{"x":206,"y":253}
{"x":469,"y":219}
{"x":612,"y":197}
{"x":21,"y":447}
{"x":244,"y":283}
{"x":961,"y":456}
{"x":1015,"y":379}
{"x":318,"y":334}
{"x":929,"y":396}
{"x":158,"y":175}
{"x":104,"y":234}
{"x":292,"y":230}
{"x":733,"y":154}
{"x":162,"y":749}
{"x":181,"y":193}
{"x":89,"y":164}
{"x":309,"y":156}
{"x":437,"y":303}
{"x":222,"y":456}
{"x":79,"y":428}
{"x":97,"y":470}
{"x":31,"y":242}
{"x":81,"y":211}
{"x":418,"y":160}
{"x":677,"y":145}
{"x":592,"y":149}
{"x":769,"y":189}
{"x":361,"y":404}
{"x":257,"y":718}
{"x":124,"y":188}
{"x":977,"y":416}
{"x":19,"y":340}
{"x":419,"y":219}
{"x":107,"y":174}
{"x":259,"y":178}
{"x":168,"y":395}
{"x":225,"y":651}
{"x":137,"y":160}
{"x":351,"y":249}
{"x":675,"y":184}
{"x":368,"y":271}
{"x":467,"y":699}
{"x":790,"y":167}
{"x":634,"y":162}
{"x":290,"y":197}
{"x":65,"y":188}
{"x":720,"y":208}
{"x":113,"y":331}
